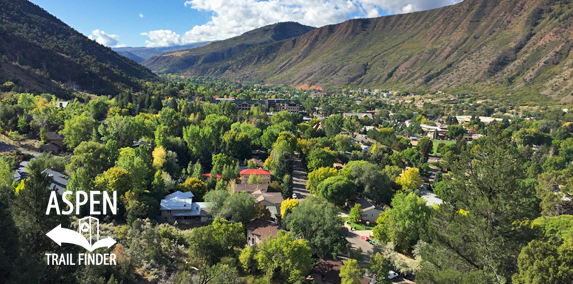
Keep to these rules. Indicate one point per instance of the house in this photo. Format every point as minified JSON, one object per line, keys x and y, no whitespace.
{"x":359,"y":115}
{"x":250,"y":188}
{"x":370,"y":212}
{"x":54,"y":137}
{"x":263,"y":174}
{"x":60,"y":104}
{"x":59,"y":180}
{"x":52,"y":148}
{"x":260,"y":229}
{"x":140,"y":142}
{"x":180,"y":206}
{"x":271,"y":200}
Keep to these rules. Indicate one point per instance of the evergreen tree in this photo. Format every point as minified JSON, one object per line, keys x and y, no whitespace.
{"x":287,"y":187}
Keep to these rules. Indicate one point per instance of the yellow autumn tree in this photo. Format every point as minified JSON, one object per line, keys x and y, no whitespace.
{"x":159,"y":157}
{"x":410,"y":179}
{"x":196,"y":186}
{"x":288,"y":204}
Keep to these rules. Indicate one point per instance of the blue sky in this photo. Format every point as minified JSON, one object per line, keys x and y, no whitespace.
{"x":172,"y":22}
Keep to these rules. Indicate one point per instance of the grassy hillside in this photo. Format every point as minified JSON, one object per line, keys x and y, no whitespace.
{"x":500,"y":47}
{"x":40,"y":53}
{"x":218,"y":51}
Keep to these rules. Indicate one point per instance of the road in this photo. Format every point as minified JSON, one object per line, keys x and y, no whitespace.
{"x":5,"y":147}
{"x":299,"y":179}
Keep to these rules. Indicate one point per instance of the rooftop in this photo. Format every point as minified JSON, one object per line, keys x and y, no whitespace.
{"x":255,"y":171}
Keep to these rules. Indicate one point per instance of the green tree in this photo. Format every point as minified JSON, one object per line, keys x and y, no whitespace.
{"x":380,"y":266}
{"x":404,"y":223}
{"x":372,"y":182}
{"x":337,"y":189}
{"x":476,"y":231}
{"x":351,"y":273}
{"x":220,"y":161}
{"x":545,"y":262}
{"x":320,"y":158}
{"x":220,"y":239}
{"x":197,"y":170}
{"x":283,"y":258}
{"x":317,"y":176}
{"x":254,"y":179}
{"x":356,"y":213}
{"x":287,"y":187}
{"x":237,"y":207}
{"x":77,"y":130}
{"x":455,"y":131}
{"x":317,"y":221}
{"x":426,"y":147}
{"x":91,"y":156}
{"x":333,"y":125}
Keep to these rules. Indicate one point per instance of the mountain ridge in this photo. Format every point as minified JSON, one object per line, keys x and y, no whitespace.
{"x":507,"y":46}
{"x":40,"y":53}
{"x":144,"y":53}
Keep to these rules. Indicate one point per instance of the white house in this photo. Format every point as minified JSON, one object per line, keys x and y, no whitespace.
{"x":180,"y":206}
{"x":370,"y":212}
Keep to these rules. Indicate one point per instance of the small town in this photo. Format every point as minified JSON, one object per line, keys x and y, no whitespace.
{"x":271,"y":142}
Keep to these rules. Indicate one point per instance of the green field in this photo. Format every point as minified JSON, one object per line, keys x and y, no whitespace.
{"x":359,"y":227}
{"x":438,"y":142}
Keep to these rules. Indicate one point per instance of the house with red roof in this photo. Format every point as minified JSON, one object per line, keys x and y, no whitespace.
{"x":263,"y":174}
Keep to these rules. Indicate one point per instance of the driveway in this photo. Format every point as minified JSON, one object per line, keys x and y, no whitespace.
{"x":5,"y":147}
{"x":299,"y":179}
{"x":353,"y":237}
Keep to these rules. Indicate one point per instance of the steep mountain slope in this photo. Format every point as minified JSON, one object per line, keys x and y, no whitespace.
{"x":40,"y":53}
{"x":221,"y":50}
{"x":130,"y":55}
{"x":489,"y":46}
{"x":148,"y":52}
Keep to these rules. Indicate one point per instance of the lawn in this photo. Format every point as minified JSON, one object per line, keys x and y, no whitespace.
{"x":359,"y":227}
{"x":438,"y":142}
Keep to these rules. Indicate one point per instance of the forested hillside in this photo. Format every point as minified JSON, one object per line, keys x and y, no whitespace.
{"x":40,"y":53}
{"x":501,"y":47}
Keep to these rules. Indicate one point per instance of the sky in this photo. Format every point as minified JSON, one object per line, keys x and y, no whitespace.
{"x":154,"y":23}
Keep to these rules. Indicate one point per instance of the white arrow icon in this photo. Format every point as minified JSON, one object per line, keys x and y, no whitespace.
{"x":61,"y":235}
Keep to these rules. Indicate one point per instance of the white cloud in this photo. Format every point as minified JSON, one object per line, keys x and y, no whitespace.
{"x":234,"y":17}
{"x":141,"y":15}
{"x":105,"y":39}
{"x":162,"y":38}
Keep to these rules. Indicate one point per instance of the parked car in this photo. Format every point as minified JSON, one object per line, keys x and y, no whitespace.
{"x":365,"y":238}
{"x":294,"y":196}
{"x":392,"y":274}
{"x":372,"y":242}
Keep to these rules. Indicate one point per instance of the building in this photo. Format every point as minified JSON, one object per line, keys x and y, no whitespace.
{"x":180,"y":206}
{"x":54,"y":137}
{"x":52,"y":148}
{"x":250,"y":188}
{"x":370,"y":212}
{"x":263,"y":174}
{"x":59,"y":180}
{"x":328,"y":272}
{"x":260,"y":229}
{"x":271,"y":200}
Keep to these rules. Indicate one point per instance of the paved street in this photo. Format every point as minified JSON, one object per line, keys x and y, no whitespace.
{"x":299,"y":178}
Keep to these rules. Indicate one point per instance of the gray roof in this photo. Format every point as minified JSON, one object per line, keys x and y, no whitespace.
{"x":20,"y":172}
{"x":59,"y":180}
{"x":178,"y":201}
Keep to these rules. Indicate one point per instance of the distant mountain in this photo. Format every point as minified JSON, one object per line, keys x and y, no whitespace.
{"x":148,"y":52}
{"x":40,"y":53}
{"x":498,"y":47}
{"x":221,"y":50}
{"x":130,"y":55}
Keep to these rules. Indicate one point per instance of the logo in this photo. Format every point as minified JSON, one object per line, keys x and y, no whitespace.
{"x":86,"y":227}
{"x":87,"y":235}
